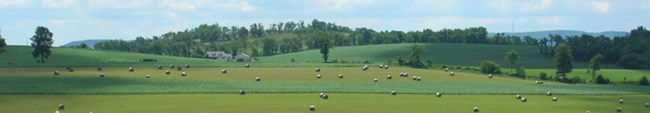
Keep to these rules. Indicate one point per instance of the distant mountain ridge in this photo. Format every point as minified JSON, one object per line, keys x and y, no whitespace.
{"x":542,"y":34}
{"x":90,"y":42}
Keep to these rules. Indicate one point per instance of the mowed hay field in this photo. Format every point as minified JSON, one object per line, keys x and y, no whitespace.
{"x":337,"y":103}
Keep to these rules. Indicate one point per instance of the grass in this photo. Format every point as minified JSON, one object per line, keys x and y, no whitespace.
{"x":615,"y":75}
{"x":338,"y":103}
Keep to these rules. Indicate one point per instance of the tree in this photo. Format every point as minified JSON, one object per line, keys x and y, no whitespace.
{"x":542,"y":75}
{"x":83,"y":45}
{"x":643,"y":81}
{"x":521,"y":72}
{"x":600,"y":80}
{"x":325,"y":43}
{"x":416,"y":52}
{"x":3,"y":44}
{"x":595,"y":65}
{"x":489,"y":67}
{"x":42,"y":42}
{"x":563,"y":59}
{"x":512,"y":56}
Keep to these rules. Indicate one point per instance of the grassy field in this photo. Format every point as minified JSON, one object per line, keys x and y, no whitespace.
{"x":337,"y":103}
{"x":614,"y":75}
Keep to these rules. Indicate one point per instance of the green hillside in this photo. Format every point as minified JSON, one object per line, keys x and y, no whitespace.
{"x":440,"y":53}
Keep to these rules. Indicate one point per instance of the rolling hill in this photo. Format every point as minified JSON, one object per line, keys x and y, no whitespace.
{"x":542,"y":34}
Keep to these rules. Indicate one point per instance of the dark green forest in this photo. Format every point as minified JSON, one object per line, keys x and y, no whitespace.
{"x":630,"y":51}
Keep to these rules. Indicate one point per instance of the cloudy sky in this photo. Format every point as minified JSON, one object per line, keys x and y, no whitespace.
{"x":72,"y":20}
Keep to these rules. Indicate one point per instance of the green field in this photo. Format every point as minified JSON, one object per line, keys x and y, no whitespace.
{"x":615,"y":75}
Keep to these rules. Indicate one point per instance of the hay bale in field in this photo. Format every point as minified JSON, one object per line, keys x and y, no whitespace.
{"x":619,"y":109}
{"x":325,"y":96}
{"x":57,"y":112}
{"x":446,"y":69}
{"x":393,"y":92}
{"x":224,"y":71}
{"x":101,"y":75}
{"x":131,"y":69}
{"x":258,"y":79}
{"x":438,"y":94}
{"x":168,"y":72}
{"x":475,"y":109}
{"x":187,"y":65}
{"x":518,"y":97}
{"x":321,"y":95}
{"x":340,"y":76}
{"x":318,"y":76}
{"x":242,"y":92}
{"x":451,"y":74}
{"x":389,"y":77}
{"x":415,"y":77}
{"x":183,"y":74}
{"x":99,"y":69}
{"x":317,"y":69}
{"x":160,"y":67}
{"x":365,"y":68}
{"x":56,"y":72}
{"x":539,"y":82}
{"x":647,"y":104}
{"x":620,"y":101}
{"x":554,"y":99}
{"x":312,"y":108}
{"x":147,"y":76}
{"x":549,"y":94}
{"x":489,"y":75}
{"x":171,"y":66}
{"x":375,"y":80}
{"x":385,"y":66}
{"x":179,"y":68}
{"x":588,"y":112}
{"x":381,"y":66}
{"x":70,"y":70}
{"x":524,"y":100}
{"x":61,"y":107}
{"x":247,"y":65}
{"x":419,"y":79}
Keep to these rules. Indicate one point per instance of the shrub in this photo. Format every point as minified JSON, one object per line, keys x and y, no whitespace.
{"x":149,"y":60}
{"x":542,"y":76}
{"x":400,"y":61}
{"x":601,"y":80}
{"x":489,"y":67}
{"x":520,"y":72}
{"x":429,"y":63}
{"x":643,"y":81}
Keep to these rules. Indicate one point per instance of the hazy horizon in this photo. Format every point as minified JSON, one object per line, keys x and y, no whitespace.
{"x":72,"y":20}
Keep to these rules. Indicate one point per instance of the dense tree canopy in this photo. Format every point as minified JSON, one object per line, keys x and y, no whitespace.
{"x":42,"y":42}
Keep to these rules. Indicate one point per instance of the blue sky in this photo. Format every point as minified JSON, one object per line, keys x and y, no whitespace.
{"x":72,"y":20}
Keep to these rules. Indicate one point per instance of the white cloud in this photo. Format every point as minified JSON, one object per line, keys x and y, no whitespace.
{"x":502,"y":5}
{"x":183,"y":5}
{"x":59,"y":3}
{"x":537,"y":5}
{"x":601,"y":7}
{"x":341,"y":4}
{"x":14,"y":3}
{"x":239,"y":5}
{"x":118,"y":4}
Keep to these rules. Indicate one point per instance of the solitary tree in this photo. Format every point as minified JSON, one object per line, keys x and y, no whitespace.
{"x":42,"y":42}
{"x":563,"y":57}
{"x":416,"y":52}
{"x":595,"y":65}
{"x":325,"y":43}
{"x":512,"y":56}
{"x":3,"y":44}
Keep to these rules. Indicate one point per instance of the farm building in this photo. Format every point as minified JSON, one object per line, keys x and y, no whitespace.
{"x":218,"y":55}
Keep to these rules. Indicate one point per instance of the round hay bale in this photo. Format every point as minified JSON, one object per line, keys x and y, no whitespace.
{"x":647,"y":104}
{"x":549,"y":94}
{"x":588,"y":112}
{"x":321,"y":95}
{"x":393,"y":93}
{"x":325,"y":96}
{"x":147,"y":76}
{"x":438,"y":94}
{"x":258,"y":79}
{"x":340,"y":76}
{"x":247,"y":65}
{"x":475,"y":109}
{"x":56,"y":72}
{"x":317,"y":69}
{"x":619,"y":109}
{"x":179,"y":68}
{"x":620,"y":101}
{"x":61,"y":107}
{"x":389,"y":77}
{"x":312,"y":108}
{"x":168,"y":72}
{"x":401,"y":74}
{"x":375,"y":80}
{"x":415,"y":77}
{"x":160,"y":67}
{"x":242,"y":92}
{"x":183,"y":74}
{"x":446,"y":69}
{"x":131,"y":69}
{"x":99,"y":69}
{"x":524,"y":100}
{"x":101,"y":75}
{"x":71,"y":70}
{"x":381,"y":66}
{"x":187,"y":65}
{"x":318,"y":76}
{"x":385,"y":66}
{"x":171,"y":66}
{"x":57,"y":112}
{"x":489,"y":75}
{"x":554,"y":99}
{"x":451,"y":74}
{"x":419,"y":79}
{"x":224,"y":71}
{"x":406,"y":74}
{"x":518,"y":97}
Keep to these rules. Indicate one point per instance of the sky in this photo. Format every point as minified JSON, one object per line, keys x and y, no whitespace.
{"x":72,"y":20}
